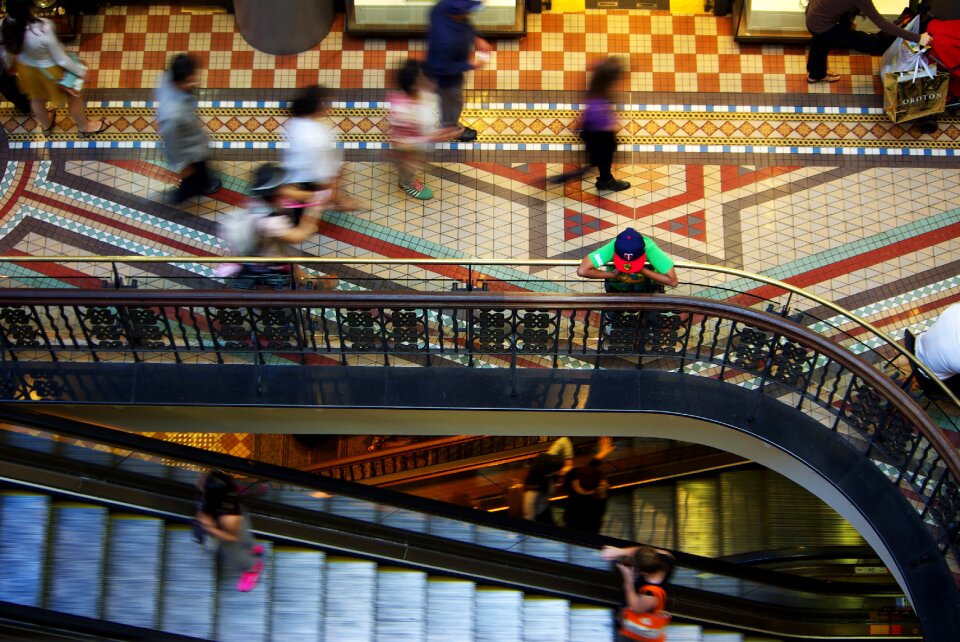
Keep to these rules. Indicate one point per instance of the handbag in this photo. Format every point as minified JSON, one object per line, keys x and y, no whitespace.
{"x":71,"y":82}
{"x":647,"y":627}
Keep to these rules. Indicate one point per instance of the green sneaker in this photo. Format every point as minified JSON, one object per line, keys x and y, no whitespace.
{"x":417,"y":190}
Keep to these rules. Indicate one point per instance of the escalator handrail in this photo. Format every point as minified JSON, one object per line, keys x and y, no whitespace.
{"x":272,"y":472}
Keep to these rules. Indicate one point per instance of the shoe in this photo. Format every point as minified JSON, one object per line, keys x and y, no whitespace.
{"x":928,"y":126}
{"x":104,"y":124}
{"x":213,"y":186}
{"x":417,"y":190}
{"x":468,"y":136}
{"x":248,"y":581}
{"x":830,"y":77}
{"x":613,"y":185}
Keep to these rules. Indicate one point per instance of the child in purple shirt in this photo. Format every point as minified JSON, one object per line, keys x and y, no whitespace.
{"x":599,"y":126}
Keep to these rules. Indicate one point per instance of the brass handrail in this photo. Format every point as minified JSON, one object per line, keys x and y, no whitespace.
{"x":316,"y":260}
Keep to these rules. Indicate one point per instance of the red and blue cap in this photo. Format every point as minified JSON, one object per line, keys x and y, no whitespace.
{"x":629,"y":251}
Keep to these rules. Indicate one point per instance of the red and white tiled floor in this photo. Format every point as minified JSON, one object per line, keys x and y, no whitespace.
{"x":734,"y":159}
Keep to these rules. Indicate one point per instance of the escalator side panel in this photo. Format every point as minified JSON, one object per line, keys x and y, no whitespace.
{"x":591,"y":623}
{"x":499,"y":615}
{"x":348,"y":605}
{"x":451,"y":610}
{"x":401,"y":605}
{"x":546,"y":619}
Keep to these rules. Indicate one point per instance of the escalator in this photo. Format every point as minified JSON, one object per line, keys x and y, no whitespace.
{"x":93,"y":526}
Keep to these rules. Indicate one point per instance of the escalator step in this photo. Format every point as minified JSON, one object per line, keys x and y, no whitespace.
{"x":546,"y":619}
{"x":451,"y":610}
{"x":401,"y":605}
{"x":684,"y":633}
{"x":546,"y":548}
{"x":242,"y":617}
{"x":135,"y":553}
{"x":189,"y":585}
{"x":407,"y":520}
{"x":453,"y":529}
{"x":24,"y":518}
{"x":718,"y":636}
{"x":351,"y":590}
{"x":499,"y":539}
{"x":299,"y":497}
{"x":353,"y":508}
{"x":499,"y":615}
{"x":591,"y":623}
{"x":41,"y":442}
{"x":77,"y":554}
{"x":297,"y":600}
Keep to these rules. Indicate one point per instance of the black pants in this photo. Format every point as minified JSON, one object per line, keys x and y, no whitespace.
{"x":600,"y":149}
{"x":9,"y":88}
{"x":196,"y":183}
{"x":842,"y":37}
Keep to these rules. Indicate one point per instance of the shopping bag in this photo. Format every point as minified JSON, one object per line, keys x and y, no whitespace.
{"x":908,"y":96}
{"x":904,"y":55}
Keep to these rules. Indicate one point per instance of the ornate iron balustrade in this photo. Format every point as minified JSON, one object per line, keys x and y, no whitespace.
{"x":740,"y":346}
{"x":396,"y":461}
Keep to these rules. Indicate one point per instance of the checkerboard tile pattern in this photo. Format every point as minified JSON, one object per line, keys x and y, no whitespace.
{"x":128,"y":46}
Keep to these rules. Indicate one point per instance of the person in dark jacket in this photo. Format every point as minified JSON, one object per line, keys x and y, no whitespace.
{"x":451,"y":40}
{"x":586,"y":488}
{"x":830,"y":23}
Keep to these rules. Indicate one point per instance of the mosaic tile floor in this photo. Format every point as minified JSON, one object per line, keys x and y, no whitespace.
{"x":734,"y":160}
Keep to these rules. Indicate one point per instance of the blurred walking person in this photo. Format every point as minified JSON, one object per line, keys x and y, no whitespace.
{"x":227,"y":523}
{"x":185,"y":140}
{"x":33,"y":53}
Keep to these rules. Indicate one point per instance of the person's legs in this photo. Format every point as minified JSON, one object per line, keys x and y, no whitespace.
{"x":817,"y":58}
{"x":196,"y":181}
{"x":78,"y":113}
{"x":451,"y":103}
{"x":601,"y":147}
{"x":40,"y":113}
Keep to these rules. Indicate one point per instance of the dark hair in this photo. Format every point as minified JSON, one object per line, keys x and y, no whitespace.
{"x":604,"y":76}
{"x":19,"y":16}
{"x":266,"y":180}
{"x":408,"y":74}
{"x":647,"y":561}
{"x":219,"y":494}
{"x":182,"y":67}
{"x":309,"y":101}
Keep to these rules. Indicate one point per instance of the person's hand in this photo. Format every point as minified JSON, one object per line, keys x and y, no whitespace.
{"x":605,"y":447}
{"x":925,"y":39}
{"x":480,"y":58}
{"x":482,"y":45}
{"x":611,"y":552}
{"x":628,"y":573}
{"x":206,"y":521}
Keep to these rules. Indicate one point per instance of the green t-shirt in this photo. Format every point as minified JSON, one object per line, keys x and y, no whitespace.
{"x":602,"y":259}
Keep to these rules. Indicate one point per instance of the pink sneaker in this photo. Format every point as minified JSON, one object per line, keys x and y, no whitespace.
{"x":248,"y":581}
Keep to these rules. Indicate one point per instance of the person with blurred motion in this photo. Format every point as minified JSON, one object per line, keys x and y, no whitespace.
{"x":32,"y":52}
{"x":450,"y":41}
{"x":645,"y":572}
{"x":939,"y":348}
{"x":586,"y":489}
{"x":185,"y":140}
{"x":546,"y":471}
{"x":227,"y":524}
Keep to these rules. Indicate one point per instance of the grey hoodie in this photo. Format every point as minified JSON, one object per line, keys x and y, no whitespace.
{"x":184,"y":140}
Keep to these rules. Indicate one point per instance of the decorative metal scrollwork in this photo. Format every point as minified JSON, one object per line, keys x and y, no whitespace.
{"x":864,"y":409}
{"x":945,"y":505}
{"x":491,"y":331}
{"x":790,"y":363}
{"x":147,"y":327}
{"x":895,"y":435}
{"x":621,"y":331}
{"x":665,"y":333}
{"x":20,"y":327}
{"x":103,"y":326}
{"x":361,"y":330}
{"x":750,"y":349}
{"x":232,"y":328}
{"x":405,"y":332}
{"x":535,"y":332}
{"x":277,"y":326}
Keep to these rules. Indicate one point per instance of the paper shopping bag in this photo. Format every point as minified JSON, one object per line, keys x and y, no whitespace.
{"x":907,"y":96}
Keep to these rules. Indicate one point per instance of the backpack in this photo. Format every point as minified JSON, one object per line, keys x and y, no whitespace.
{"x":239,"y":230}
{"x":647,"y":627}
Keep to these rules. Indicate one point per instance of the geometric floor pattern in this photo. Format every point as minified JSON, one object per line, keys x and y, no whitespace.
{"x":733,"y":158}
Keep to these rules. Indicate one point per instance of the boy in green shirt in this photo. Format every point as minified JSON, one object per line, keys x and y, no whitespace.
{"x":621,"y":263}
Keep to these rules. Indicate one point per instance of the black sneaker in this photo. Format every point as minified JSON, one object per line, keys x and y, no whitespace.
{"x":213,"y":186}
{"x":613,"y":185}
{"x":468,"y":136}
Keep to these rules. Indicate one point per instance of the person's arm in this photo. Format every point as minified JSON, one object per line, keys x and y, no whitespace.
{"x":613,"y":553}
{"x":227,"y":528}
{"x":870,"y":11}
{"x":58,"y":53}
{"x":604,"y":448}
{"x":563,"y":447}
{"x":669,"y":278}
{"x":636,"y":602}
{"x":588,"y":271}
